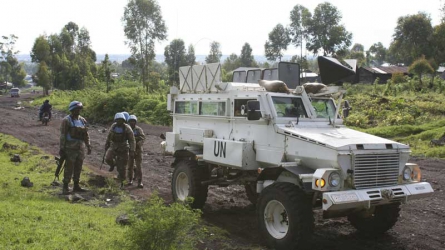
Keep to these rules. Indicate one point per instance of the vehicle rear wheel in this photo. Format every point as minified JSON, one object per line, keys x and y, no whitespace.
{"x":376,"y":221}
{"x":285,"y":216}
{"x":186,"y":182}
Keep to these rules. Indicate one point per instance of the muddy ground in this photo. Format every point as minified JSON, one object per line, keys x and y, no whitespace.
{"x":420,"y":226}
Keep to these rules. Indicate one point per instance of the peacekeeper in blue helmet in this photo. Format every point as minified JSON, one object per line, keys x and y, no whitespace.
{"x":120,"y":143}
{"x":126,"y":115}
{"x":137,"y":157}
{"x":74,"y":139}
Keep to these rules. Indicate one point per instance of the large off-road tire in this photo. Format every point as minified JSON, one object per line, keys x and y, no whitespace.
{"x":186,"y":182}
{"x":377,"y":222}
{"x":251,"y":193}
{"x":285,"y":216}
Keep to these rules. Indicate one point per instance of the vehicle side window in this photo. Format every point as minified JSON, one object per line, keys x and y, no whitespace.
{"x":186,"y":107}
{"x":212,"y":108}
{"x":240,"y":107}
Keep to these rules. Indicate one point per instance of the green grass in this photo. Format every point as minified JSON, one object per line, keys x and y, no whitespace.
{"x":40,"y":218}
{"x":37,"y":218}
{"x":401,"y":114}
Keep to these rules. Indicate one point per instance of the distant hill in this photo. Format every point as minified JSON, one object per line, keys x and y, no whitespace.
{"x":159,"y":58}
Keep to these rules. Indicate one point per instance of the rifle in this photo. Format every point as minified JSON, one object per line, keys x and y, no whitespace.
{"x":103,"y":160}
{"x":60,"y":165}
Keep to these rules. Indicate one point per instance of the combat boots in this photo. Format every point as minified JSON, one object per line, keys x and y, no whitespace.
{"x":140,"y":185}
{"x":65,"y":189}
{"x":77,"y":188}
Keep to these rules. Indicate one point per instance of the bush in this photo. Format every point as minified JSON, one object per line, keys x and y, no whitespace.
{"x":101,"y":107}
{"x":357,"y":120}
{"x":398,"y":77}
{"x":157,"y":226}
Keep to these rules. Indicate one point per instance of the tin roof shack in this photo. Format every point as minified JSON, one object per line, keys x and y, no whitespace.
{"x":369,"y":74}
{"x":441,"y":72}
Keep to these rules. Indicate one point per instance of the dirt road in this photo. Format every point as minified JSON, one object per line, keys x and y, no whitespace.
{"x":421,"y":225}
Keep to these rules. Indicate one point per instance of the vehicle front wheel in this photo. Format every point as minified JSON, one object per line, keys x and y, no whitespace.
{"x":285,"y":216}
{"x":376,"y":221}
{"x":186,"y":182}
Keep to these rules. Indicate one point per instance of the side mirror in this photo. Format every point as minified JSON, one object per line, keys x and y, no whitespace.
{"x":162,"y":136}
{"x":346,"y":108}
{"x":253,"y":110}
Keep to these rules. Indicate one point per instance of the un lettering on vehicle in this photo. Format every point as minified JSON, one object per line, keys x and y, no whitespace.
{"x":229,"y":153}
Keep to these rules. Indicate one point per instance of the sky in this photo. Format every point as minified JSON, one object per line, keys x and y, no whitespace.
{"x":232,"y":23}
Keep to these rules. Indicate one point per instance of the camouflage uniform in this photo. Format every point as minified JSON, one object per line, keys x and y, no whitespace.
{"x":119,"y":141}
{"x":73,"y":139}
{"x":139,"y":137}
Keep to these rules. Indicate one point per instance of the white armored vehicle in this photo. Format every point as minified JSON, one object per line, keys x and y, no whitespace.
{"x":286,"y":144}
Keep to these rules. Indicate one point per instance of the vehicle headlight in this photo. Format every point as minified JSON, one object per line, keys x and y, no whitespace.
{"x":412,"y":172}
{"x":416,"y":174}
{"x":334,"y":179}
{"x":407,"y":173}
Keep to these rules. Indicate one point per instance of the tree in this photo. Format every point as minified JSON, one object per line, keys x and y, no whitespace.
{"x":442,"y":10}
{"x":412,"y":38}
{"x":215,"y":53}
{"x":68,"y":56}
{"x":10,"y":69}
{"x":324,"y":31}
{"x":358,"y":48}
{"x":143,"y":26}
{"x":300,"y":18}
{"x":278,"y":41}
{"x":246,"y":58}
{"x":106,"y":71}
{"x":232,"y":62}
{"x":419,"y":68}
{"x":191,"y":58}
{"x":175,"y":57}
{"x":43,"y":77}
{"x":439,"y":43}
{"x":377,"y":52}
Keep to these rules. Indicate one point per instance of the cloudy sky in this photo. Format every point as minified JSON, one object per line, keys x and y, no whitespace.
{"x":230,"y":22}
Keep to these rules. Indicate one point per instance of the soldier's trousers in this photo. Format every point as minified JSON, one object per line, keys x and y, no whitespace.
{"x":73,"y":164}
{"x":118,"y":158}
{"x":138,"y":170}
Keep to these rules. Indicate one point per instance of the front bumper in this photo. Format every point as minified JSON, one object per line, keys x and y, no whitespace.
{"x":365,"y":198}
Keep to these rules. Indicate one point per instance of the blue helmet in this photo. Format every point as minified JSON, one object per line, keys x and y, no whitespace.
{"x":75,"y":105}
{"x":119,"y":116}
{"x":126,"y":115}
{"x":133,"y":117}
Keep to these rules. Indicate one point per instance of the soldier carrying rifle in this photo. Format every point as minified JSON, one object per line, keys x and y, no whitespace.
{"x":73,"y":140}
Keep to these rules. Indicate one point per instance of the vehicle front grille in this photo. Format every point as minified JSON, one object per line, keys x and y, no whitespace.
{"x":375,"y":170}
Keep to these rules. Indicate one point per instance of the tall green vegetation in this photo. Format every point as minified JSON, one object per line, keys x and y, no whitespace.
{"x":143,"y":26}
{"x":420,"y":67}
{"x":246,"y":57}
{"x":215,"y":54}
{"x":412,"y":38}
{"x":10,"y":69}
{"x":278,"y":41}
{"x":68,"y":56}
{"x":105,"y":71}
{"x":156,"y":226}
{"x":43,"y":77}
{"x":175,"y":57}
{"x":325,"y":31}
{"x":300,"y":17}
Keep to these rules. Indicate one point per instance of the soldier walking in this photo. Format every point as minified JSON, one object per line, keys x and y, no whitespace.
{"x":73,"y":140}
{"x":120,"y":143}
{"x":137,"y":158}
